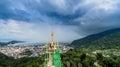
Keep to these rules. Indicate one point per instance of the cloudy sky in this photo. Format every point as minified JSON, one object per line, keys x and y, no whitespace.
{"x":34,"y":20}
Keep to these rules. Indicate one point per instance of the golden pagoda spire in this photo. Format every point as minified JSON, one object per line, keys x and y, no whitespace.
{"x":52,"y":42}
{"x":52,"y":35}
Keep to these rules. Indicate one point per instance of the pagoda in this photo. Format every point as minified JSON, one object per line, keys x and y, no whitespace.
{"x":52,"y":55}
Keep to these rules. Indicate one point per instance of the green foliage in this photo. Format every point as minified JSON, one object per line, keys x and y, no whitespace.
{"x":22,"y":62}
{"x":74,"y":57}
{"x":87,"y":59}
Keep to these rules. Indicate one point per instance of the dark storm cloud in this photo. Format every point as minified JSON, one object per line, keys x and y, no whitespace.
{"x":33,"y":10}
{"x":80,"y":17}
{"x":6,"y":11}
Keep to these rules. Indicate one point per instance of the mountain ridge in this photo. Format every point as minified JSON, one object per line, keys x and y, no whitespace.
{"x":99,"y":39}
{"x":10,"y":42}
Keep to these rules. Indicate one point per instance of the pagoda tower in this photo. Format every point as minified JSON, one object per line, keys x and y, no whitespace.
{"x":52,"y":55}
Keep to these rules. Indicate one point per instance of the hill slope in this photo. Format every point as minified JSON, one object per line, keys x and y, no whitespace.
{"x":104,"y":40}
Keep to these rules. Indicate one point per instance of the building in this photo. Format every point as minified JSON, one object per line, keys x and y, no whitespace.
{"x":52,"y":54}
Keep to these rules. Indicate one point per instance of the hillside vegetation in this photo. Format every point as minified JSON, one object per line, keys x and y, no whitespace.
{"x":104,"y":40}
{"x":72,"y":58}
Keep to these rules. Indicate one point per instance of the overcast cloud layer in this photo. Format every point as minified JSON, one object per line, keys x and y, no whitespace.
{"x":34,"y":20}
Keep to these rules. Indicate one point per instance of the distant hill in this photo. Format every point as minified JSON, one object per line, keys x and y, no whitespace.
{"x":15,"y":41}
{"x":103,"y":40}
{"x":3,"y":43}
{"x":10,"y":42}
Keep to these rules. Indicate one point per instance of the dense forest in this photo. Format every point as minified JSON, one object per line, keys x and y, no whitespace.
{"x":72,"y":58}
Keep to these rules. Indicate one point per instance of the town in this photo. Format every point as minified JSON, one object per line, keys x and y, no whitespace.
{"x":28,"y":51}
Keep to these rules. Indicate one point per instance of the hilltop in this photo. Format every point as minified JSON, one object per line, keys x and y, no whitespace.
{"x":10,"y":42}
{"x":104,"y":40}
